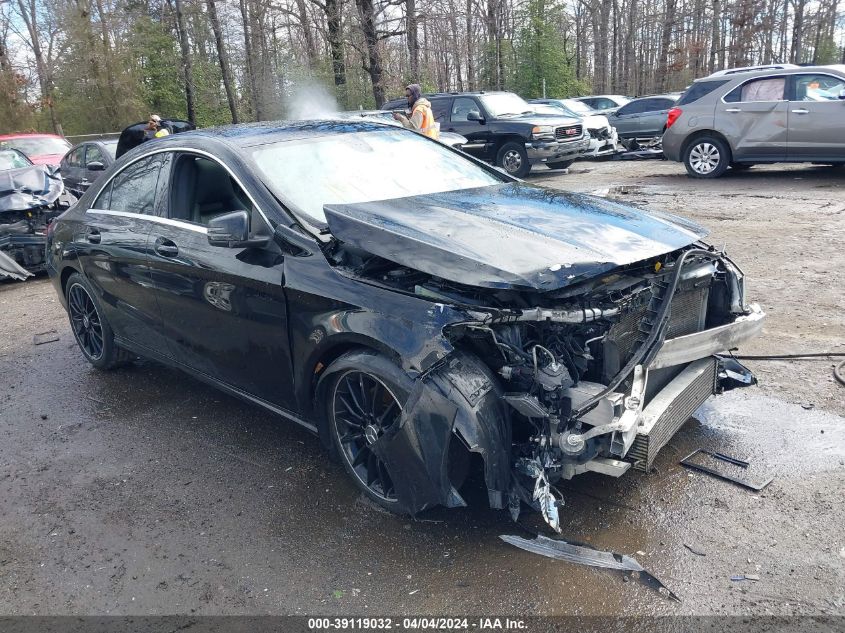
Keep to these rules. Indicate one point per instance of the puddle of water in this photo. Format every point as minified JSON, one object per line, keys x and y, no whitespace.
{"x":786,"y":437}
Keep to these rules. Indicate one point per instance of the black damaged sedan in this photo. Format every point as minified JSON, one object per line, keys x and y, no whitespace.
{"x":405,"y":302}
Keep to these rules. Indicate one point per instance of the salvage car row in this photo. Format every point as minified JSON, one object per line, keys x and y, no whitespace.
{"x":732,"y":119}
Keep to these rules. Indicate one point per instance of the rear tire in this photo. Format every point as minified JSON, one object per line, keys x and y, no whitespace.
{"x":90,"y":328}
{"x":564,"y":164}
{"x":707,"y":157}
{"x":513,"y":158}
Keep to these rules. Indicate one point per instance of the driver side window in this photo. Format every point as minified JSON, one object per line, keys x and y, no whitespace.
{"x":202,"y":189}
{"x":461,"y":107}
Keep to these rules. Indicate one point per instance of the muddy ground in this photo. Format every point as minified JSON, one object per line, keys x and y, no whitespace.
{"x":145,"y":492}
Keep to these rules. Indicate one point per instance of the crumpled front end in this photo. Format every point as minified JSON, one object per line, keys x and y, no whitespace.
{"x":30,"y":198}
{"x":593,"y":378}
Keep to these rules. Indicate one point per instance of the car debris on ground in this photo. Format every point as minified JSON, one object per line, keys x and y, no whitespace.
{"x":688,"y":463}
{"x":585,"y":555}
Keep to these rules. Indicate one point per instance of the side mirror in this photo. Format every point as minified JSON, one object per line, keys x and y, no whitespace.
{"x":231,"y":230}
{"x":96,"y":166}
{"x":475,"y":115}
{"x":842,"y":94}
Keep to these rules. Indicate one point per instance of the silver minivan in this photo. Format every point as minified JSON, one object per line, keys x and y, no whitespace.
{"x":787,"y":115}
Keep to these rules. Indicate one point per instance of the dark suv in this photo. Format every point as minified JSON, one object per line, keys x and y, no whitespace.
{"x":502,"y":128}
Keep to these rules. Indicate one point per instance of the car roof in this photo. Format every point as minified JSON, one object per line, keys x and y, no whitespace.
{"x":665,"y":95}
{"x":251,"y":134}
{"x":602,"y":97}
{"x":744,"y":69}
{"x":768,"y":72}
{"x":9,"y":137}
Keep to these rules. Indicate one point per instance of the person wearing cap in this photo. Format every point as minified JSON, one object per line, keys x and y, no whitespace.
{"x":154,"y":129}
{"x":422,"y":118}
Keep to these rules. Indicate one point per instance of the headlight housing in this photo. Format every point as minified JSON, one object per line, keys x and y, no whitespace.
{"x":543,"y":133}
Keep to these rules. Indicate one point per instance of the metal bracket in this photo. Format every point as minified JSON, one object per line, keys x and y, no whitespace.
{"x":715,"y":473}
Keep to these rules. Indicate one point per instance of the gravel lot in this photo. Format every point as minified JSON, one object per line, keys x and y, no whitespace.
{"x":143,"y":491}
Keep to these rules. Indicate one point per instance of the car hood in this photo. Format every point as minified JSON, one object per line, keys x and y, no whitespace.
{"x":512,"y":235}
{"x":28,"y":188}
{"x":596,"y":122}
{"x":543,"y":119}
{"x":47,"y":159}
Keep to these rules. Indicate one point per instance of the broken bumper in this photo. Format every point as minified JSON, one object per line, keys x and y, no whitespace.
{"x":22,"y":252}
{"x":602,"y":146}
{"x":639,"y":431}
{"x":555,"y":151}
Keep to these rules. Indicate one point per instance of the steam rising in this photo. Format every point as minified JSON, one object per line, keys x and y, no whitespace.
{"x":311,"y":101}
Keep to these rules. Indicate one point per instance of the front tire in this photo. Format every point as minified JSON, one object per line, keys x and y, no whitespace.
{"x":364,"y":397}
{"x":90,"y":328}
{"x":564,"y":164}
{"x":513,"y":158}
{"x":707,"y":157}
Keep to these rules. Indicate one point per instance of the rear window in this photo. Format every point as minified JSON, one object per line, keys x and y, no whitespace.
{"x":700,"y":89}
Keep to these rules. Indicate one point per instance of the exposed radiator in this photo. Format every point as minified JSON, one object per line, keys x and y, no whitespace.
{"x":688,"y":312}
{"x":669,"y":409}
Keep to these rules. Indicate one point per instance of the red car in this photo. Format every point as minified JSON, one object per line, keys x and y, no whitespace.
{"x":41,"y":149}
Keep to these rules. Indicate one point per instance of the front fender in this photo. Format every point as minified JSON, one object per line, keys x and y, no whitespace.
{"x":459,"y":400}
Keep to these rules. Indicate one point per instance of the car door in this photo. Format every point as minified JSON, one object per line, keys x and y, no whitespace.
{"x":93,"y":154}
{"x":626,"y":119}
{"x":112,"y":251}
{"x":71,"y":167}
{"x":753,"y":118}
{"x":816,"y":117}
{"x":653,"y":119}
{"x":223,"y":310}
{"x":476,"y":132}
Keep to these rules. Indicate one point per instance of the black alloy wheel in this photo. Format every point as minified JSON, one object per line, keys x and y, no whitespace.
{"x":85,"y":322}
{"x":362,"y":409}
{"x":90,"y":328}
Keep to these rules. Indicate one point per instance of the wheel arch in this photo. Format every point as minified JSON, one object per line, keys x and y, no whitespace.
{"x":312,"y":388}
{"x":67,"y":271}
{"x":706,"y":132}
{"x":510,"y":137}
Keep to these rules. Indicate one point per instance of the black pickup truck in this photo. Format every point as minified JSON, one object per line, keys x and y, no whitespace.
{"x":502,"y":128}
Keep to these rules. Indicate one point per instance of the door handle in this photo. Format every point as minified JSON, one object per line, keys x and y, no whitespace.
{"x":94,"y":236}
{"x":801,"y":111}
{"x":733,"y":110}
{"x":166,"y":248}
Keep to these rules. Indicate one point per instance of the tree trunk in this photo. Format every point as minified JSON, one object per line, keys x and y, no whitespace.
{"x":250,"y":63}
{"x":335,"y":36}
{"x":223,"y":57}
{"x":374,"y":68}
{"x":471,"y":85}
{"x":665,"y":42}
{"x":30,"y":18}
{"x":413,"y":42}
{"x":310,"y":47}
{"x":187,"y":69}
{"x":630,"y":62}
{"x":796,"y":54}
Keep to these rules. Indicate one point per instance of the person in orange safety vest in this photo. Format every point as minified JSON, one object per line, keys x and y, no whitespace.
{"x":422,"y":118}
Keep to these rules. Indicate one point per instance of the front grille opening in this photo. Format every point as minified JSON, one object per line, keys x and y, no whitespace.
{"x":568,"y":132}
